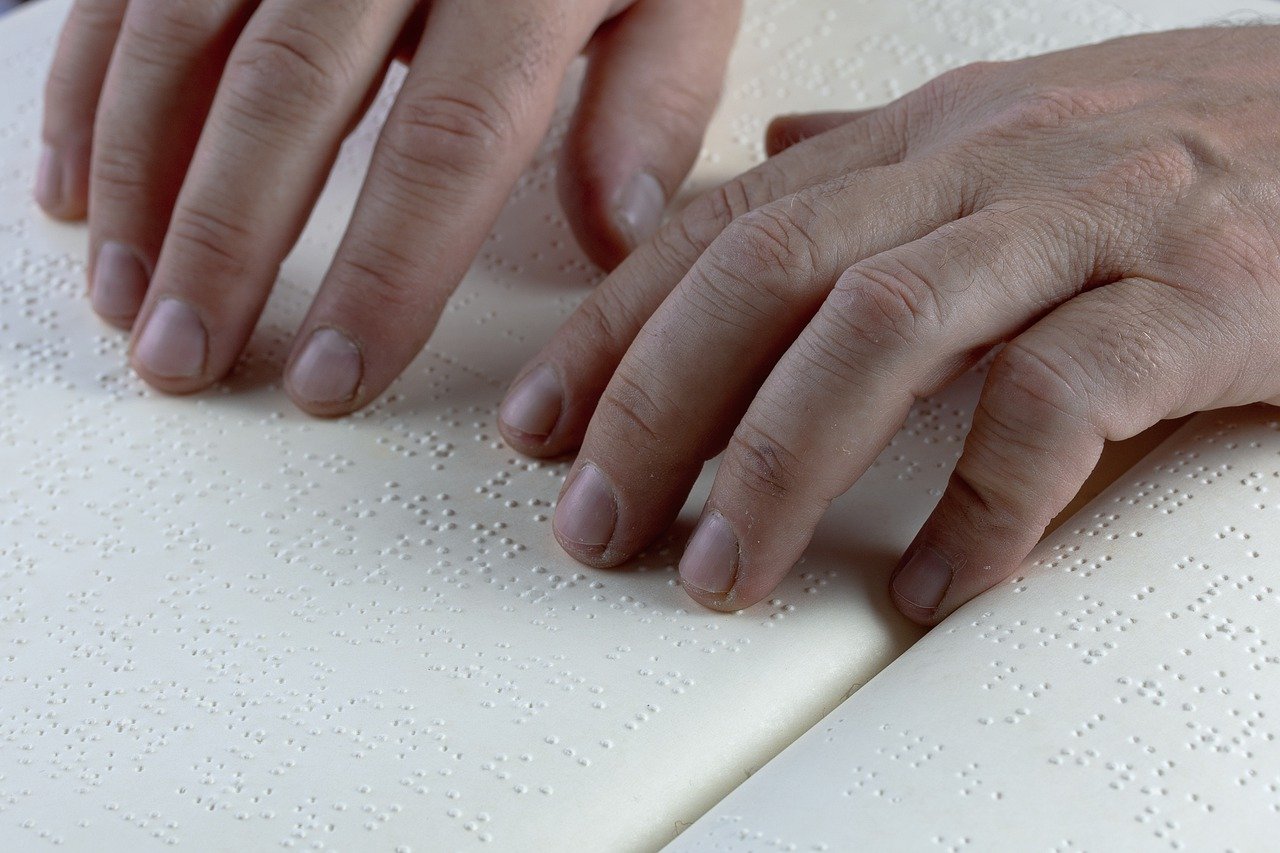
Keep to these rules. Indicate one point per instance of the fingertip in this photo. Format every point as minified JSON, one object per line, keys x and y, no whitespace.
{"x":529,"y":445}
{"x":535,"y":417}
{"x":711,"y":559}
{"x":788,"y":130}
{"x":586,"y":517}
{"x":325,"y":373}
{"x":174,"y":387}
{"x":323,"y":411}
{"x":536,"y":446}
{"x":533,"y":404}
{"x":637,"y":209}
{"x":170,"y":349}
{"x":610,"y":215}
{"x":779,"y":135}
{"x":124,"y":324}
{"x":721,"y":603}
{"x":924,"y":617}
{"x":653,"y":81}
{"x":168,"y":385}
{"x":920,"y":585}
{"x":119,"y":284}
{"x":48,"y":188}
{"x":61,"y":184}
{"x":593,"y":559}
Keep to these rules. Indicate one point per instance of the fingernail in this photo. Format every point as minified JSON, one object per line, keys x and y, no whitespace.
{"x":588,"y":511}
{"x":328,"y":369}
{"x":173,"y":342}
{"x":710,"y":561}
{"x":533,"y":406}
{"x":640,"y":206}
{"x":924,"y":579}
{"x":49,"y":179}
{"x":119,"y":282}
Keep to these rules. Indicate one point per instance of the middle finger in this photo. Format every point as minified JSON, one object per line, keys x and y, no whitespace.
{"x":298,"y":74}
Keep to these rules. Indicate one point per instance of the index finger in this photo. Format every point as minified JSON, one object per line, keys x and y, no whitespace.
{"x":475,"y":105}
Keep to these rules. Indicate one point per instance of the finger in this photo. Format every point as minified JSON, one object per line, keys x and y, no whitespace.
{"x":293,"y":83}
{"x":695,"y":366}
{"x":1104,"y":366}
{"x":547,"y":410}
{"x":153,"y":104}
{"x":787,"y":130}
{"x":70,"y":101}
{"x":653,"y":81}
{"x":895,"y":327}
{"x":476,"y":103}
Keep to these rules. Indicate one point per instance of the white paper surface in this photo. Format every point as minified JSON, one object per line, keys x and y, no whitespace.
{"x":1123,"y":695}
{"x":225,"y":625}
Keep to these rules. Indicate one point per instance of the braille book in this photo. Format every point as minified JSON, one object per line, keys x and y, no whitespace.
{"x":226,"y":625}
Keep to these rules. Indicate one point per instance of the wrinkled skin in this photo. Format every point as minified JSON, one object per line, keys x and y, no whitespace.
{"x":1109,"y":214}
{"x":197,"y":134}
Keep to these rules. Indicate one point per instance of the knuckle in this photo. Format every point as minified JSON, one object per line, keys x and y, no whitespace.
{"x":1205,"y":150}
{"x":163,"y":31}
{"x":97,"y":15}
{"x":760,"y":464}
{"x":595,"y":319}
{"x":1055,"y":106}
{"x":1157,"y":170}
{"x":884,"y":302}
{"x":290,"y":70}
{"x":1137,"y":180}
{"x":462,"y":130}
{"x":380,"y":283}
{"x":987,"y":498}
{"x":1232,"y":248}
{"x":1133,"y":355}
{"x":1028,"y":386}
{"x":634,"y":413}
{"x":220,"y":241}
{"x":941,"y":95}
{"x":119,"y":172}
{"x":966,"y":76}
{"x":713,"y":211}
{"x":710,"y":213}
{"x":889,"y":129}
{"x":832,"y":359}
{"x":768,"y":241}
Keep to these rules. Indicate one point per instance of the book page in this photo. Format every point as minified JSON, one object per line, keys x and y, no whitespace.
{"x":1120,"y":695}
{"x":225,"y":623}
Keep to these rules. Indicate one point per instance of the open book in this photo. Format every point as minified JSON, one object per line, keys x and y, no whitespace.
{"x":224,"y":625}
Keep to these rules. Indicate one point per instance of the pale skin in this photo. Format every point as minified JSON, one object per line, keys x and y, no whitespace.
{"x":1105,"y":218}
{"x":197,"y":134}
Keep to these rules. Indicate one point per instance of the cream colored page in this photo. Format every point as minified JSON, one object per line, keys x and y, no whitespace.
{"x":225,"y":625}
{"x":1122,"y":695}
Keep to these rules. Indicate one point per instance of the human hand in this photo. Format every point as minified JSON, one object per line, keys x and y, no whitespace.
{"x":1109,"y":213}
{"x":197,"y":135}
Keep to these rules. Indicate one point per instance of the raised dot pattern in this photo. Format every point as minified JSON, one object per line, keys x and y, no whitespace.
{"x":222,"y":622}
{"x":1119,"y":695}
